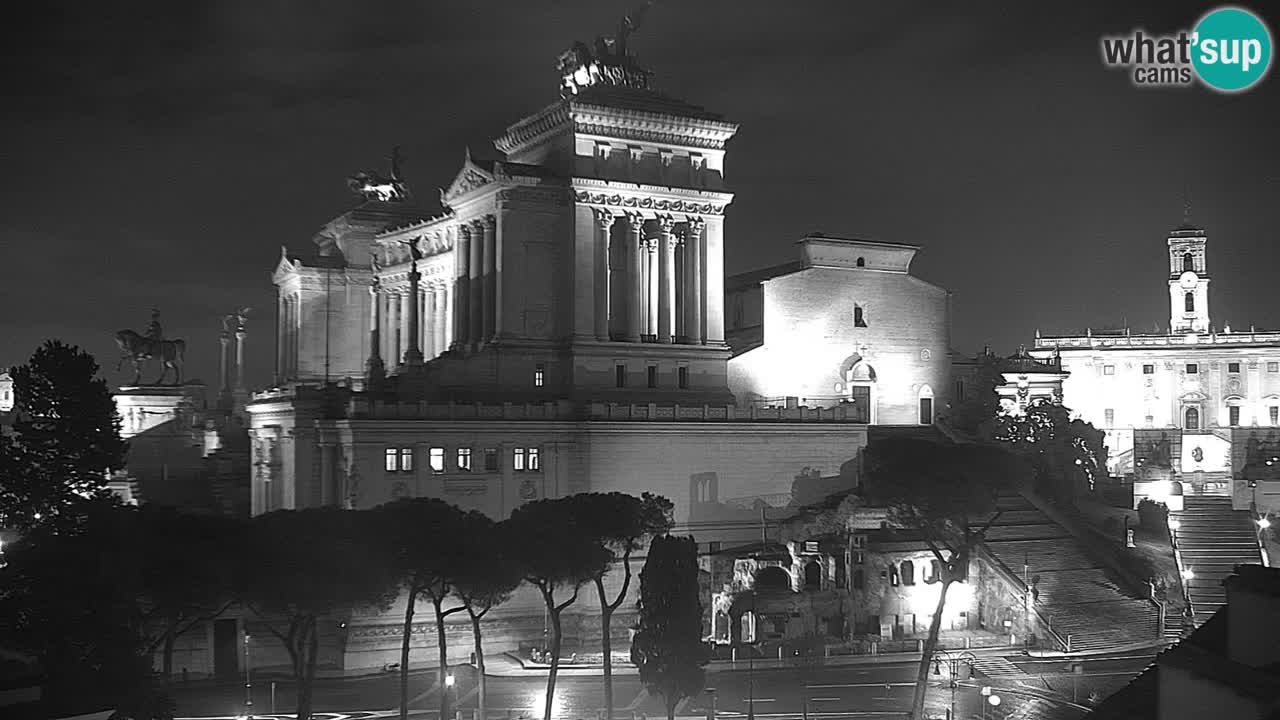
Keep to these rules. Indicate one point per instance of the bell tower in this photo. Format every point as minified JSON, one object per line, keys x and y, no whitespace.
{"x":1188,"y":281}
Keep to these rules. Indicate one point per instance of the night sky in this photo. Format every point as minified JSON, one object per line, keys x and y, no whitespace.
{"x":160,"y":155}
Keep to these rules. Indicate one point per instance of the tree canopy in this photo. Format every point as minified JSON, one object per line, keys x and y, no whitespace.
{"x":1066,"y":455}
{"x":668,"y":648}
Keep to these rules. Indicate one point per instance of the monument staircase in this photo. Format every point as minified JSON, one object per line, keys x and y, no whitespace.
{"x":1075,"y":593}
{"x":1211,"y":540}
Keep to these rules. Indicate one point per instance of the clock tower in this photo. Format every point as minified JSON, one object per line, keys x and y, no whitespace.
{"x":1188,"y":281}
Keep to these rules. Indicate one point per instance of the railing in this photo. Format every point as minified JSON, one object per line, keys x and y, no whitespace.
{"x":1012,"y":578}
{"x":1126,"y":340}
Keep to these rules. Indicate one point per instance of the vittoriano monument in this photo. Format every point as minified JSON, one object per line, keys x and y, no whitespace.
{"x":140,"y":348}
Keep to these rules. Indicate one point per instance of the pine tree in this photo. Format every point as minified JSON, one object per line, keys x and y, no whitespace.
{"x":668,"y":647}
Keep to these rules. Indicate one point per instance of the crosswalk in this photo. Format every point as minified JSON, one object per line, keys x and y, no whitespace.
{"x":998,"y":667}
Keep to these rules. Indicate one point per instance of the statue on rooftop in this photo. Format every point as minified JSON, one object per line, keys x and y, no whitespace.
{"x":372,"y":186}
{"x":138,"y":348}
{"x":607,"y":63}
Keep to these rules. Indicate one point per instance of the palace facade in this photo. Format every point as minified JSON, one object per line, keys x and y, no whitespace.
{"x":1189,"y":403}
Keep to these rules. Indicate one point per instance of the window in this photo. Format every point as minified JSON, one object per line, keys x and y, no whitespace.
{"x":490,"y":459}
{"x":1233,"y":367}
{"x":682,"y":377}
{"x":1151,"y":421}
{"x":620,"y":375}
{"x":406,"y":459}
{"x":960,"y":390}
{"x":893,"y":575}
{"x":908,"y":572}
{"x":1274,"y":412}
{"x":390,"y":463}
{"x":1189,"y":302}
{"x":1110,"y":416}
{"x":860,"y":541}
{"x":935,"y":572}
{"x":1108,"y":369}
{"x":858,"y":319}
{"x":926,"y":411}
{"x":1192,"y":368}
{"x":811,"y":546}
{"x":437,"y":459}
{"x":535,"y":463}
{"x":1148,"y":369}
{"x":1188,"y":262}
{"x":539,"y":376}
{"x":1193,"y":419}
{"x":652,"y":375}
{"x":517,"y":459}
{"x":859,"y":558}
{"x":862,"y":262}
{"x":464,"y":459}
{"x":1273,"y":367}
{"x":1233,"y":415}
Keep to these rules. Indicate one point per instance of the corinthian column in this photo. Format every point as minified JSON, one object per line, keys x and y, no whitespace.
{"x":693,"y":274}
{"x":490,"y":282}
{"x":666,"y":279}
{"x":635,"y":225}
{"x":241,"y":334}
{"x":651,"y":287}
{"x":412,"y":353}
{"x":374,"y":368}
{"x":462,"y":287}
{"x":475,"y":271}
{"x":604,"y":221}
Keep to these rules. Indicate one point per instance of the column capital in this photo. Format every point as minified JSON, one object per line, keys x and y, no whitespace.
{"x":666,"y":223}
{"x":695,"y":224}
{"x":489,"y":222}
{"x":604,"y":217}
{"x":636,"y":221}
{"x":477,"y":225}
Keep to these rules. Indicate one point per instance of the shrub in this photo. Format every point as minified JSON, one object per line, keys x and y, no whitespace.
{"x":1153,"y":515}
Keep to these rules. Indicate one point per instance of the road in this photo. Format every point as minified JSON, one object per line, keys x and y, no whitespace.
{"x":1045,"y":689}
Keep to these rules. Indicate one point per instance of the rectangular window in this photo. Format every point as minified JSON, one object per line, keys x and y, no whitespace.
{"x":538,"y":376}
{"x":682,"y":378}
{"x":926,"y":411}
{"x":620,"y":375}
{"x":959,"y":390}
{"x":1273,"y":367}
{"x":517,"y":459}
{"x":490,"y":459}
{"x":811,"y":546}
{"x":1108,"y":369}
{"x":535,"y":462}
{"x":652,"y":371}
{"x":390,"y":463}
{"x":1233,"y":367}
{"x":860,"y":541}
{"x":1151,"y":421}
{"x":1192,"y":369}
{"x":859,"y":558}
{"x":1148,"y":369}
{"x":464,"y":459}
{"x":437,"y":459}
{"x":1233,"y":415}
{"x":1274,"y":411}
{"x":406,"y":459}
{"x":1110,"y":416}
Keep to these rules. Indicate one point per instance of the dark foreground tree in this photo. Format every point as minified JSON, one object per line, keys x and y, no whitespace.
{"x":65,"y":441}
{"x":1066,"y":455}
{"x":556,"y":554}
{"x":947,"y":495}
{"x":489,"y":575}
{"x":308,"y":565}
{"x":421,"y":537}
{"x":668,"y":646}
{"x":975,"y":414}
{"x":621,"y":524}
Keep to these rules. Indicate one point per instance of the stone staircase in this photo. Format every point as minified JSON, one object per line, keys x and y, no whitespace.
{"x":1212,"y":540}
{"x":1075,"y":593}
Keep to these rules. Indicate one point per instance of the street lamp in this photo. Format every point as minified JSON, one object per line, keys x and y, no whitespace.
{"x":953,"y":666}
{"x":1188,"y":575}
{"x":248,"y":683}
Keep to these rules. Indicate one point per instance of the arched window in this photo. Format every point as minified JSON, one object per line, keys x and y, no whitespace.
{"x":908,"y":572}
{"x":859,"y":320}
{"x":1188,"y":262}
{"x":1193,"y":419}
{"x":926,"y":405}
{"x":772,"y":578}
{"x":813,"y":576}
{"x":862,"y":262}
{"x":935,"y":573}
{"x":1189,"y":300}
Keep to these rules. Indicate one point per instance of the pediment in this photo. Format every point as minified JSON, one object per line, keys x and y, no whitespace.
{"x":470,"y":177}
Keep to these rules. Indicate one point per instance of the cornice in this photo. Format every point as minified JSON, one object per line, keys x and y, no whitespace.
{"x":603,"y":194}
{"x":548,"y":121}
{"x":654,"y":127}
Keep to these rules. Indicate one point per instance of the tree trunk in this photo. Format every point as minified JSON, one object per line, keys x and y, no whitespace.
{"x":606,"y":645}
{"x":299,"y":657}
{"x":313,"y":651}
{"x":555,"y":655}
{"x":444,"y":657}
{"x":404,"y":652}
{"x":671,"y":705}
{"x":475,"y":632}
{"x":170,"y":636}
{"x":922,"y":673}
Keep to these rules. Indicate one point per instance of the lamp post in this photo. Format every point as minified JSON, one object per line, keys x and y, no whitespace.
{"x":953,"y":666}
{"x":751,"y":662}
{"x":449,"y":680}
{"x":248,"y":683}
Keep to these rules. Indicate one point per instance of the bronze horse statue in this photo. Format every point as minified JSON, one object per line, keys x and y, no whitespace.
{"x":138,"y":349}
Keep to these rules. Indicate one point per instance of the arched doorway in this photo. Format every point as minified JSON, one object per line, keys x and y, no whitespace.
{"x":813,"y":576}
{"x":773,"y":578}
{"x":1191,"y":419}
{"x":860,"y":382}
{"x":925,"y":397}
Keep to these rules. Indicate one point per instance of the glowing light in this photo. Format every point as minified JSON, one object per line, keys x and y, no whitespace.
{"x":1264,"y":523}
{"x":994,"y":700}
{"x":1174,"y":525}
{"x":1188,"y":574}
{"x":448,"y":680}
{"x":540,"y":704}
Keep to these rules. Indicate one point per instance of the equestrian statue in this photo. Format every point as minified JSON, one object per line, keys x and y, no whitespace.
{"x":139,"y":348}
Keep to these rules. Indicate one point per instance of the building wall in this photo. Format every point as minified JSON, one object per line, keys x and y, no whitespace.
{"x":1184,"y":695}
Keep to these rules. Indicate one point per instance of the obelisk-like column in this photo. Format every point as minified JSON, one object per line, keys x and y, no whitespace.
{"x":224,"y":382}
{"x":374,"y":369}
{"x":666,"y":278}
{"x":635,"y":226}
{"x":412,"y":353}
{"x":241,"y":334}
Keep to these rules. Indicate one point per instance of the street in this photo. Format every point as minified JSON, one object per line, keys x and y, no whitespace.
{"x":1045,"y":689}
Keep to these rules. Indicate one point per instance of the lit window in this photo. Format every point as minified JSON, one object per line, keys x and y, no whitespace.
{"x":437,"y":459}
{"x":406,"y":459}
{"x":1108,"y":369}
{"x":682,"y":378}
{"x":935,"y":572}
{"x":620,"y":375}
{"x":1192,"y":369}
{"x":1233,"y":415}
{"x":908,"y":572}
{"x":1273,"y":367}
{"x":1233,"y":367}
{"x":464,"y":459}
{"x":490,"y":459}
{"x":1110,"y":415}
{"x":1274,"y":411}
{"x":1189,"y":302}
{"x":653,"y":376}
{"x":1151,"y":420}
{"x":517,"y":459}
{"x":893,"y":575}
{"x":811,"y":546}
{"x":390,"y":463}
{"x":1148,"y":369}
{"x":538,"y":376}
{"x":535,"y":462}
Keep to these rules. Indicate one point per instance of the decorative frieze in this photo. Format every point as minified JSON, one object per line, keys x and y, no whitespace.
{"x":648,"y":203}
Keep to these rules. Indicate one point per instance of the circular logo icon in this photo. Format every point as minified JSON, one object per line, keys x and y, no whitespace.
{"x":1231,"y":49}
